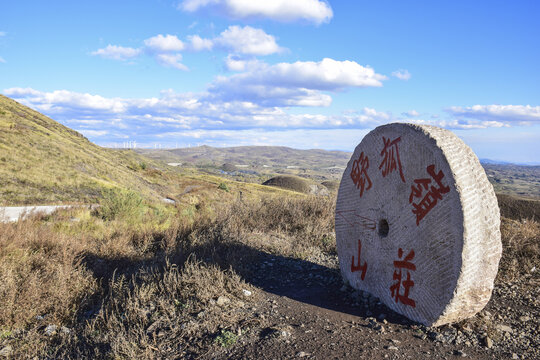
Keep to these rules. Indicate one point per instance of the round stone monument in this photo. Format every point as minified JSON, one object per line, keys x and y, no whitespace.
{"x":417,"y":224}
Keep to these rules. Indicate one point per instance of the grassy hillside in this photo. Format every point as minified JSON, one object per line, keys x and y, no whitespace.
{"x":42,"y":161}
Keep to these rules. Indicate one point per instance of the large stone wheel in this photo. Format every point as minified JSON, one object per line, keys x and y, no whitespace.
{"x":417,"y":224}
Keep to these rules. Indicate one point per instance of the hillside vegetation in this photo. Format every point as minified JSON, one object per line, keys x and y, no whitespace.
{"x":44,"y":162}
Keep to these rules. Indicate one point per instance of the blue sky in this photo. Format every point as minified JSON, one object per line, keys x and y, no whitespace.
{"x":304,"y":73}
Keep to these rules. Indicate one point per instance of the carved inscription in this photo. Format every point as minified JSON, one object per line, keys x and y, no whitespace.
{"x":391,"y":160}
{"x":432,"y":195}
{"x":395,"y":289}
{"x":358,"y":267}
{"x":359,"y":174}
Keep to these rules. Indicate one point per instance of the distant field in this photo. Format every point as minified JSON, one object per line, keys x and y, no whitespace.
{"x":257,"y":163}
{"x":518,"y":180}
{"x":260,"y":163}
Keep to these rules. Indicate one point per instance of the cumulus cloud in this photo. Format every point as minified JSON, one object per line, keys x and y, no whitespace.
{"x":192,"y":117}
{"x":292,"y":84}
{"x":166,"y":48}
{"x":328,"y":74}
{"x":247,"y":40}
{"x":171,"y":60}
{"x":238,"y":63}
{"x":117,"y":52}
{"x":411,"y":114}
{"x":164,"y":43}
{"x":239,"y":40}
{"x":505,"y":114}
{"x":63,"y":101}
{"x":173,"y":110}
{"x":314,"y":11}
{"x":199,"y":44}
{"x":402,"y":74}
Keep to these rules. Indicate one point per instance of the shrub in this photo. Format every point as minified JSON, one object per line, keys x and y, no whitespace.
{"x":120,"y":204}
{"x":223,"y":186}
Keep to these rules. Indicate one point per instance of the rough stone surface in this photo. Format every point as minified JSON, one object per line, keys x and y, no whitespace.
{"x":417,"y":224}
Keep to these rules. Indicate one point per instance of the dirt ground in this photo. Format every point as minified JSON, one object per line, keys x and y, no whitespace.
{"x":306,"y":312}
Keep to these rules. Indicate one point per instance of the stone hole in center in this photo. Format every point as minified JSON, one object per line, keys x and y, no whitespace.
{"x":383,"y":228}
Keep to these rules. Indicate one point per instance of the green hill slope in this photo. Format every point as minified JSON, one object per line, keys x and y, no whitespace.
{"x":42,"y":161}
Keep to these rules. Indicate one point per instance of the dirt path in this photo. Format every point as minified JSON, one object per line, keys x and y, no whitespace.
{"x":305,"y":312}
{"x":13,"y":213}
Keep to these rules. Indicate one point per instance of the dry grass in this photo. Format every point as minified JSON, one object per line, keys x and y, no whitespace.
{"x":521,"y":248}
{"x":40,"y":273}
{"x":116,"y":289}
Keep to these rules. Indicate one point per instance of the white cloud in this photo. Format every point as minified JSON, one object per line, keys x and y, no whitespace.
{"x":207,"y":118}
{"x":117,"y":52}
{"x":165,"y":48}
{"x":411,"y":114}
{"x":2,"y":60}
{"x":3,"y":33}
{"x":293,"y":84}
{"x":505,"y":114}
{"x":200,"y":44}
{"x":247,"y":40}
{"x":171,"y":60}
{"x":239,"y":40}
{"x":402,"y":74}
{"x":167,"y":43}
{"x":63,"y":101}
{"x":237,"y":63}
{"x":314,"y":11}
{"x":327,"y":74}
{"x":93,"y":133}
{"x":187,"y":111}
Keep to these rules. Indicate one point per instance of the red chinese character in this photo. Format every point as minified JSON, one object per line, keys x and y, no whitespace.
{"x":429,"y":200}
{"x":359,"y":173}
{"x":359,"y":267}
{"x":408,"y":283}
{"x":391,"y":157}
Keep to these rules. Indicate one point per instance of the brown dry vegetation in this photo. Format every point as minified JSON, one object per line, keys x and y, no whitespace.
{"x":118,"y":289}
{"x":113,"y":288}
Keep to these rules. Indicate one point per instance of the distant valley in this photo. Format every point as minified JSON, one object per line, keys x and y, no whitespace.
{"x":259,"y":163}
